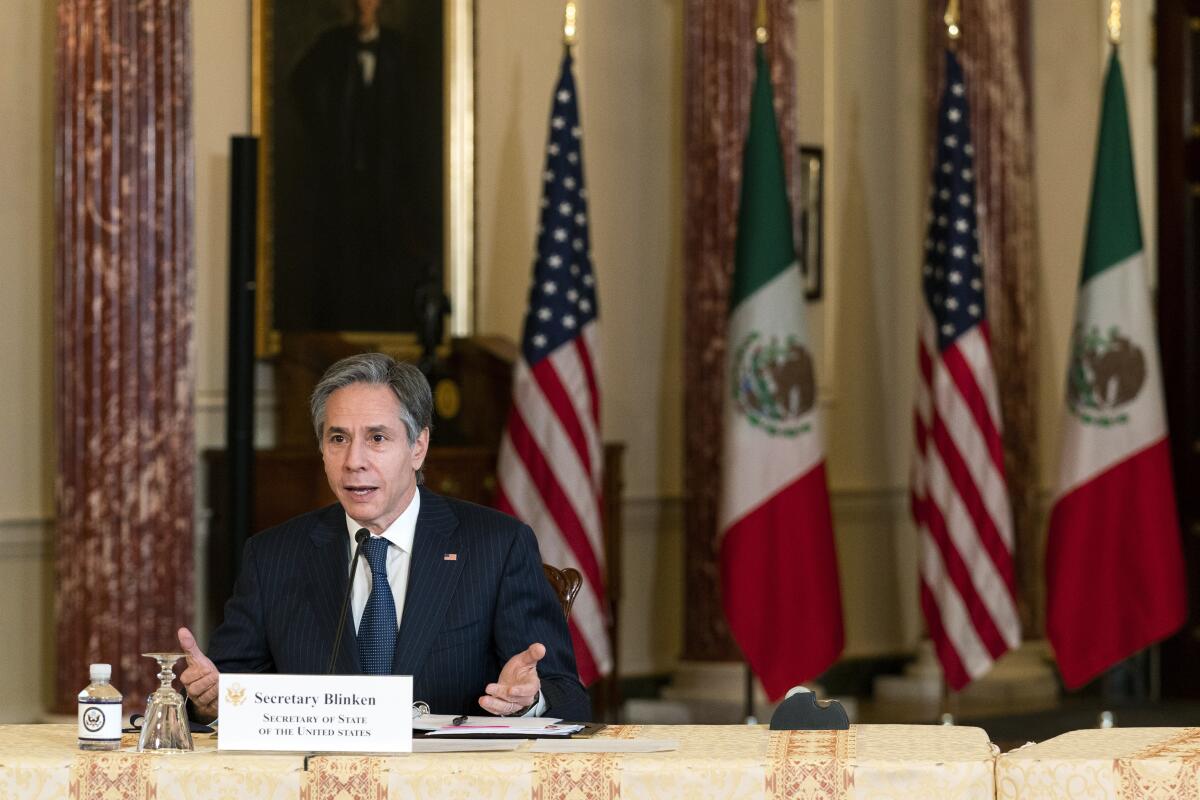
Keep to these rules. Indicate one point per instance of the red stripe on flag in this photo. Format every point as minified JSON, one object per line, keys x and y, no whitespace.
{"x":589,"y":369}
{"x":960,"y":372}
{"x":952,"y":667}
{"x":919,"y":466}
{"x":916,"y":508}
{"x":925,"y":363}
{"x":585,"y":664}
{"x":922,"y":434}
{"x":560,"y":402}
{"x":964,"y":584}
{"x":1114,"y":566}
{"x":972,"y":500}
{"x":788,"y":626}
{"x":554,"y":498}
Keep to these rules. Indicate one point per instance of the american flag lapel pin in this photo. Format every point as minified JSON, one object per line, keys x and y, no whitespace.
{"x":450,"y":557}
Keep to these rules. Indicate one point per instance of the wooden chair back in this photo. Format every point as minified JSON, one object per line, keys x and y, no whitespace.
{"x":566,"y":583}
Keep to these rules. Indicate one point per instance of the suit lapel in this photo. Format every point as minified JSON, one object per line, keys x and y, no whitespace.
{"x":329,"y":570}
{"x":431,"y":582}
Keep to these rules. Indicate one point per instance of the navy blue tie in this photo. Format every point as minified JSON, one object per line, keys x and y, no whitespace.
{"x":377,"y":628}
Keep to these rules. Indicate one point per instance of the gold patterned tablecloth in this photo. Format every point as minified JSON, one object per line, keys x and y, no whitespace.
{"x":713,"y":761}
{"x":1118,"y":763}
{"x":42,"y":762}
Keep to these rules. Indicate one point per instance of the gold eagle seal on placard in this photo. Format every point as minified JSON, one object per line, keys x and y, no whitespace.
{"x":235,"y":694}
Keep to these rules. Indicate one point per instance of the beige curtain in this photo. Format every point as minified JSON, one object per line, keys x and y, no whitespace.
{"x":123,"y":320}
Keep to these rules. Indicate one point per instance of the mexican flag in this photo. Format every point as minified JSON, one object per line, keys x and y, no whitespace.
{"x":1114,"y":565}
{"x":779,"y":569}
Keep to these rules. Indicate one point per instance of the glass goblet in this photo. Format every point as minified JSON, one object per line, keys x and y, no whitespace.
{"x":165,"y":728}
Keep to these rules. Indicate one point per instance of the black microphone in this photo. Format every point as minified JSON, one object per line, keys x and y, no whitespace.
{"x":359,"y":537}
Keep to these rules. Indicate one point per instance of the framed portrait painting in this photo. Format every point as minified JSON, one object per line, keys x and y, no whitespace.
{"x":364,"y":109}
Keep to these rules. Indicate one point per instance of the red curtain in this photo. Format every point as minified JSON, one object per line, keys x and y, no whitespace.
{"x":123,"y":320}
{"x":719,"y":77}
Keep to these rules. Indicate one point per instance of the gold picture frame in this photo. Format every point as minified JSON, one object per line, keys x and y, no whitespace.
{"x":812,"y":216}
{"x":457,"y":189}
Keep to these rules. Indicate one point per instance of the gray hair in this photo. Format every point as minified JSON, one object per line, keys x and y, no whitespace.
{"x":406,"y":382}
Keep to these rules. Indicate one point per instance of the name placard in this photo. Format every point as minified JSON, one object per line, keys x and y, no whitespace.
{"x":340,"y":713}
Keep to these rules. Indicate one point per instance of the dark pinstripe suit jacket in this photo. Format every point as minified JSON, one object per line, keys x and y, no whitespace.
{"x":463,"y":618}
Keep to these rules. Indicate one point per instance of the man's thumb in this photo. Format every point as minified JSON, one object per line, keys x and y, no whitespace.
{"x":188,"y":642}
{"x":536,"y":652}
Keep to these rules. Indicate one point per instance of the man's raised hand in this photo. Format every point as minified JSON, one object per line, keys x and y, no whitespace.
{"x":200,"y":676}
{"x":518,"y":685}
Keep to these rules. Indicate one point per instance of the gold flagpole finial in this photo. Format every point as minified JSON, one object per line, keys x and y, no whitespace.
{"x":760,"y":23}
{"x":569,"y":26}
{"x":952,"y":19}
{"x":1114,"y":22}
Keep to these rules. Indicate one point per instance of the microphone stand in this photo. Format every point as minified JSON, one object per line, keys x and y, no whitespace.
{"x":359,"y":537}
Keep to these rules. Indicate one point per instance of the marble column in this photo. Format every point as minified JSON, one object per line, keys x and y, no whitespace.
{"x":123,"y":321}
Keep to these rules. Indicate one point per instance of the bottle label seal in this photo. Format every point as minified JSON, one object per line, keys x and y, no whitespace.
{"x":100,"y":721}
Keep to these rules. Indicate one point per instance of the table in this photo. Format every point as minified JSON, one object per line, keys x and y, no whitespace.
{"x":1125,"y":763}
{"x":43,"y":761}
{"x":713,"y":761}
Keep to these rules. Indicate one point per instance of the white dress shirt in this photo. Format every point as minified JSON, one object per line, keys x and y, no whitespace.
{"x":366,"y":58}
{"x":401,"y":534}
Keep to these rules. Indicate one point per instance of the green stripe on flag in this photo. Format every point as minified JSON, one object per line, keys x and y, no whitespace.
{"x":764,"y":238}
{"x":1114,"y":230}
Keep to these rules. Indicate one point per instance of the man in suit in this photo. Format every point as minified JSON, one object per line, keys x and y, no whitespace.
{"x":449,"y":592}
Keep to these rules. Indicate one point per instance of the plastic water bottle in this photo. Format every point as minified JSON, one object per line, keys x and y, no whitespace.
{"x":100,"y":712}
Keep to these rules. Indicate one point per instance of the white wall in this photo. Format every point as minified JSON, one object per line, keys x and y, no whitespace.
{"x":26,"y":357}
{"x":629,"y":77}
{"x":26,"y":222}
{"x":873,"y":118}
{"x":628,"y":70}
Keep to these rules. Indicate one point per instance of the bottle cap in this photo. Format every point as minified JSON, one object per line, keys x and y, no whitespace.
{"x":100,"y":672}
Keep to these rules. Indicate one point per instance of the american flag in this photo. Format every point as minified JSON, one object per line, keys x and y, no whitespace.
{"x":959,"y":496}
{"x":551,"y":457}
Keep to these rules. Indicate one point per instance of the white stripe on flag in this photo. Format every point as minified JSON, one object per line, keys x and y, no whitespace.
{"x":567,"y":364}
{"x":956,"y":623}
{"x":527,"y":503}
{"x":988,"y":583}
{"x":974,"y":349}
{"x":550,"y":437}
{"x":968,"y":440}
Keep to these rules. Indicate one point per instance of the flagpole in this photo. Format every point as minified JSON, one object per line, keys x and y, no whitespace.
{"x":953,"y":21}
{"x":1115,"y":681}
{"x":1114,"y":22}
{"x":570,"y":28}
{"x":749,"y":717}
{"x":953,"y":18}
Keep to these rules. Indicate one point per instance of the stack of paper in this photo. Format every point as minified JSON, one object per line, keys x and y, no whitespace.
{"x":447,"y":725}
